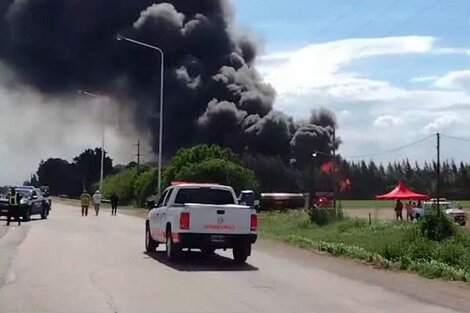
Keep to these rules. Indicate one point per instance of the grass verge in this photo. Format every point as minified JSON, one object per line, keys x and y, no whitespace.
{"x":397,"y":245}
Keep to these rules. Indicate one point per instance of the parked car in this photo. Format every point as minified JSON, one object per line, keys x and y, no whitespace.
{"x":450,"y":208}
{"x":201,"y":216}
{"x":32,"y":203}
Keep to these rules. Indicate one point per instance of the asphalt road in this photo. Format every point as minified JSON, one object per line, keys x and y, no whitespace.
{"x":70,"y":263}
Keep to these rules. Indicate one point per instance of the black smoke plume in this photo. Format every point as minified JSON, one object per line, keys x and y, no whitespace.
{"x":213,"y":93}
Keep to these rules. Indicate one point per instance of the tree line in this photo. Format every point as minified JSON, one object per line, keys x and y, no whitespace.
{"x":369,"y":178}
{"x":257,"y":171}
{"x":71,"y":178}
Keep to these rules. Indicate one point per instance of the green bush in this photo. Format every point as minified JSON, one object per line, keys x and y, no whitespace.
{"x":322,"y":216}
{"x":351,"y":224}
{"x":436,"y":226}
{"x":122,"y":184}
{"x":145,"y":185}
{"x":194,"y":155}
{"x":392,"y":252}
{"x":220,"y":171}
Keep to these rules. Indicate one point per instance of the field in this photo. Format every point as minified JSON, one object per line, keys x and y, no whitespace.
{"x":389,"y":244}
{"x":376,"y":204}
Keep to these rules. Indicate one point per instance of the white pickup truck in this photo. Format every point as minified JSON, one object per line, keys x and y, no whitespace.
{"x":201,"y":216}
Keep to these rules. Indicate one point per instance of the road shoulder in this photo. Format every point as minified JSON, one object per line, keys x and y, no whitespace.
{"x":454,"y":295}
{"x":8,"y":246}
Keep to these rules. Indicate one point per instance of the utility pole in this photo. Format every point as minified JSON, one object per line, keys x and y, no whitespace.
{"x":438,"y":170}
{"x":138,"y":155}
{"x":335,"y":181}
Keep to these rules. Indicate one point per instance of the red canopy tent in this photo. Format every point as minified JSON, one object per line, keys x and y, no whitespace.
{"x":402,"y":192}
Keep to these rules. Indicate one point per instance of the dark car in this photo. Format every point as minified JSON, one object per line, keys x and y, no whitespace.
{"x":32,"y":203}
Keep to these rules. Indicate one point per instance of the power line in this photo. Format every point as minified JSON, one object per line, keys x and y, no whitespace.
{"x":456,"y":138}
{"x":390,"y":150}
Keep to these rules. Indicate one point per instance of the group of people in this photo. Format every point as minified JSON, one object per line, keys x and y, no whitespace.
{"x":409,"y":206}
{"x":86,"y":200}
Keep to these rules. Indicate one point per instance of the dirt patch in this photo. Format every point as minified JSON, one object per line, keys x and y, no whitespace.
{"x":382,"y":214}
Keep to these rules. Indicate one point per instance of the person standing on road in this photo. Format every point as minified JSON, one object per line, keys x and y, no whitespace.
{"x":114,"y":203}
{"x":399,"y":210}
{"x":85,"y":200}
{"x":97,"y":201}
{"x":14,"y":199}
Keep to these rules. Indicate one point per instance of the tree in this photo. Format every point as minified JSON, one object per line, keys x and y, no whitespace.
{"x":221,"y":172}
{"x":211,"y":164}
{"x":145,"y":185}
{"x":272,"y":174}
{"x":122,"y":184}
{"x":195,"y":154}
{"x":61,"y":177}
{"x":33,"y":182}
{"x":89,"y":165}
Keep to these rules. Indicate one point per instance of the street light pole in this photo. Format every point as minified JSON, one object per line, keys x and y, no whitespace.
{"x":92,"y":95}
{"x":162,"y":72}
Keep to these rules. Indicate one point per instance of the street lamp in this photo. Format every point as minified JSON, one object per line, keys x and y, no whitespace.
{"x":162,"y":72}
{"x":312,"y":179}
{"x":92,"y":95}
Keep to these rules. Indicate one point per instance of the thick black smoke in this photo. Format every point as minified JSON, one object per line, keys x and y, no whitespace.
{"x":212,"y":91}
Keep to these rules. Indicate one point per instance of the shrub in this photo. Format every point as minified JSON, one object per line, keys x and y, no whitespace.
{"x":322,"y":216}
{"x":351,"y":224}
{"x":392,"y":252}
{"x":145,"y":185}
{"x":436,"y":226}
{"x":122,"y":184}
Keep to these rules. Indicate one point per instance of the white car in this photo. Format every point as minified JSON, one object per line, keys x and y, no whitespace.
{"x":201,"y":216}
{"x":451,"y":209}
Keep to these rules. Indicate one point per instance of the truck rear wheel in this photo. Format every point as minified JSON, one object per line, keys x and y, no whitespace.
{"x":241,"y":253}
{"x":173,"y":250}
{"x":150,"y":244}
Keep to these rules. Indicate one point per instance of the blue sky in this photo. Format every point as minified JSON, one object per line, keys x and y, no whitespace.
{"x":393,"y":71}
{"x":287,"y":24}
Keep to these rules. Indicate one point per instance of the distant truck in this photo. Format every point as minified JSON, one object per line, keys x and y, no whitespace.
{"x":201,"y":216}
{"x":449,"y":208}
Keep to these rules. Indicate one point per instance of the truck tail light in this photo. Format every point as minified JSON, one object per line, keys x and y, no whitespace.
{"x":253,"y":222}
{"x":184,"y":220}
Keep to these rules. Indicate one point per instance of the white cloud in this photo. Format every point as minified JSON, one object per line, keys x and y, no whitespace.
{"x":442,"y":123}
{"x":380,"y":115}
{"x":386,"y":121}
{"x":454,"y":80}
{"x":423,"y":79}
{"x":450,"y":50}
{"x":318,"y":65}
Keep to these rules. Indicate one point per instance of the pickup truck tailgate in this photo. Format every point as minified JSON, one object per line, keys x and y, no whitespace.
{"x":219,"y":219}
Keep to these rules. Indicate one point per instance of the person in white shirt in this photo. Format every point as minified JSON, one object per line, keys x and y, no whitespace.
{"x":97,"y":201}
